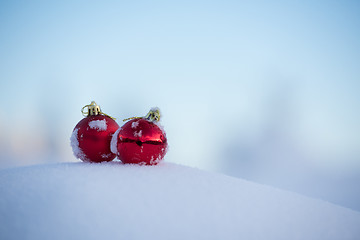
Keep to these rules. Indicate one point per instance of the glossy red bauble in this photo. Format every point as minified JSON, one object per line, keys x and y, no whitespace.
{"x":140,"y":141}
{"x":91,"y":138}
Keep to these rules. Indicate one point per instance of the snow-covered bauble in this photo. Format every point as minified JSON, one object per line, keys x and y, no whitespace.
{"x":91,"y":137}
{"x":141,"y":140}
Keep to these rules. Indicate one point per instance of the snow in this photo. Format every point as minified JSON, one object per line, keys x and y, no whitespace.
{"x":78,"y":153}
{"x":138,"y":134}
{"x":106,"y":156}
{"x":114,"y":141}
{"x":155,"y":161}
{"x":134,"y":124}
{"x":100,"y":125}
{"x":167,"y":201}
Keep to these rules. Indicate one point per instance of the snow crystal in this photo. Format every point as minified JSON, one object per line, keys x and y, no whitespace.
{"x":100,"y":125}
{"x":138,"y":134}
{"x":141,"y":163}
{"x":154,"y":161}
{"x":106,"y":155}
{"x":134,"y":124}
{"x":78,"y":153}
{"x":114,"y":142}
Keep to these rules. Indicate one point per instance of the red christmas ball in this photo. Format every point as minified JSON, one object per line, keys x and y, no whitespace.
{"x":91,"y":138}
{"x":140,"y":141}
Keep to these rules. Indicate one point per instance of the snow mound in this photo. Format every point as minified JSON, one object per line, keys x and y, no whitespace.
{"x":167,"y":201}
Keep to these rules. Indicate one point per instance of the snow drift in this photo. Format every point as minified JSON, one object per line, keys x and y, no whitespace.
{"x":168,"y":201}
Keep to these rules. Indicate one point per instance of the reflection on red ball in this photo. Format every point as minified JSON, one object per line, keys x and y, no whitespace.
{"x":91,"y":138}
{"x":140,"y":141}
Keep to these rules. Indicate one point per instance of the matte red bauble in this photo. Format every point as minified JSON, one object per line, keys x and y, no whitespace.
{"x":91,"y":137}
{"x":141,"y":140}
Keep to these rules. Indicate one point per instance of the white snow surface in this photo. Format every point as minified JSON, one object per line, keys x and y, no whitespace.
{"x":167,"y":201}
{"x":100,"y":125}
{"x":78,"y":153}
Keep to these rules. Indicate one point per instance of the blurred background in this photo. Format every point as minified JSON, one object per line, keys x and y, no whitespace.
{"x":266,"y":91}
